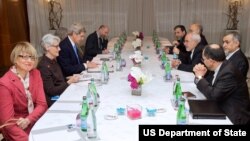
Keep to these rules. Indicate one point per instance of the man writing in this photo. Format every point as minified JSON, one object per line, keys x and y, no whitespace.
{"x":96,"y":43}
{"x":69,"y":58}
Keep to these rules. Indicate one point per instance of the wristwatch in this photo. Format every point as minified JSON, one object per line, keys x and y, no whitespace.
{"x":197,"y":79}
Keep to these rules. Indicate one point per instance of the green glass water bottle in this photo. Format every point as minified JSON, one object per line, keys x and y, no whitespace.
{"x":84,"y":114}
{"x":181,"y":114}
{"x":178,"y":91}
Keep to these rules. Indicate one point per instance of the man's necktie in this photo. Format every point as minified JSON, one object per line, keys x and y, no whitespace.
{"x":75,"y":50}
{"x":100,"y":42}
{"x":191,"y":55}
{"x":213,"y":79}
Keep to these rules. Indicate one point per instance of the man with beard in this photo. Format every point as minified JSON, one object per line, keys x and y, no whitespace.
{"x":231,"y":46}
{"x":192,"y":44}
{"x":180,"y":49}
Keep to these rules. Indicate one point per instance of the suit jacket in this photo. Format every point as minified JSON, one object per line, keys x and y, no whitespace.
{"x":192,"y":62}
{"x":239,"y":60}
{"x":13,"y":103}
{"x":184,"y":54}
{"x":67,"y":59}
{"x":230,"y":91}
{"x":203,"y":40}
{"x":53,"y":79}
{"x":92,"y":47}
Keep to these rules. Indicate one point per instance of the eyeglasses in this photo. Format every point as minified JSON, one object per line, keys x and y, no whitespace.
{"x":56,"y":46}
{"x":26,"y":57}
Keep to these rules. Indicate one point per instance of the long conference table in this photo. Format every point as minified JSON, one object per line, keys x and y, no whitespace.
{"x":58,"y":122}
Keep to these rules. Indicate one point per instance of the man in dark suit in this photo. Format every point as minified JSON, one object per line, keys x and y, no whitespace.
{"x":69,"y":58}
{"x":96,"y":43}
{"x":231,"y":45}
{"x":228,"y":87}
{"x":192,"y":44}
{"x":197,"y":28}
{"x":179,"y":47}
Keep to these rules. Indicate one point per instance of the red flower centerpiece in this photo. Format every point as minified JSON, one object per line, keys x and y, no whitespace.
{"x":137,"y":78}
{"x":141,"y":36}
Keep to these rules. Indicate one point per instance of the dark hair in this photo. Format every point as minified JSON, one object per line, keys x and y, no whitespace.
{"x":214,"y":52}
{"x":182,"y":27}
{"x":103,"y":26}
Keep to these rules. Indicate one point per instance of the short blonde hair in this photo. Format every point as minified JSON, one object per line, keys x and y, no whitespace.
{"x":23,"y":47}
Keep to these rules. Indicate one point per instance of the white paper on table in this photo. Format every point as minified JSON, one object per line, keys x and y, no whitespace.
{"x":61,"y":106}
{"x":104,"y":56}
{"x":110,"y":65}
{"x":58,"y":133}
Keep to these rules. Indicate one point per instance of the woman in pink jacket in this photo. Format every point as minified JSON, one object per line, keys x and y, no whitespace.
{"x":22,"y":98}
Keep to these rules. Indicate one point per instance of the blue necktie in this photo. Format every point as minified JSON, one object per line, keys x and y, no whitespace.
{"x":75,"y":50}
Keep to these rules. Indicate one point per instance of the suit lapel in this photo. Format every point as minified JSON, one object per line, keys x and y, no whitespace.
{"x":194,"y":53}
{"x":16,"y":83}
{"x":72,"y":50}
{"x":220,"y":70}
{"x":235,"y":55}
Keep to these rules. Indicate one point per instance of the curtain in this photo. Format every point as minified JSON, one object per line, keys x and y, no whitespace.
{"x":244,"y":26}
{"x":140,"y":15}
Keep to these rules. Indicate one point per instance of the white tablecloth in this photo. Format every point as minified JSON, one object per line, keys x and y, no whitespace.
{"x":117,"y":94}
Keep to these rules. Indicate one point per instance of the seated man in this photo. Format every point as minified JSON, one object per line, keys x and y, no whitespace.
{"x":69,"y":57}
{"x":192,"y":43}
{"x":197,"y":28}
{"x":228,"y":87}
{"x":53,"y":81}
{"x":96,"y":43}
{"x":231,"y":45}
{"x":180,"y":33}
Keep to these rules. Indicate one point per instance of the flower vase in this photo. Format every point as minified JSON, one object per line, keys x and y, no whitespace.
{"x":136,"y":64}
{"x":158,"y":50}
{"x":137,"y":91}
{"x":138,"y":48}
